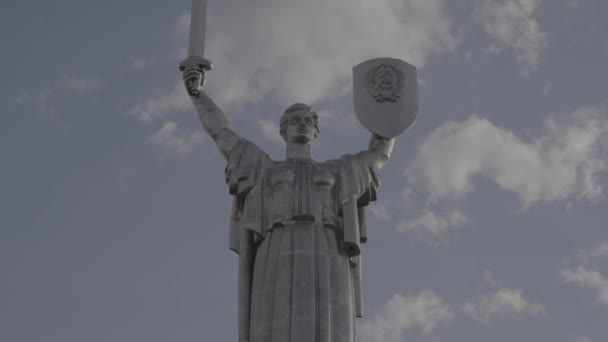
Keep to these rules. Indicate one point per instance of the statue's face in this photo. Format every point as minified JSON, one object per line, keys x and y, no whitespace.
{"x":301,"y":127}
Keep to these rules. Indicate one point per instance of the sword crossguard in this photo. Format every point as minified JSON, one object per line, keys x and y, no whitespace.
{"x":198,"y":65}
{"x":195,"y":61}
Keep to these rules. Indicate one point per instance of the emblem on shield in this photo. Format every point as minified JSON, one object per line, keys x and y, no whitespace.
{"x":385,"y":95}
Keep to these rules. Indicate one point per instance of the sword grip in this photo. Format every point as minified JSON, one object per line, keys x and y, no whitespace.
{"x":194,"y":88}
{"x":195,"y":64}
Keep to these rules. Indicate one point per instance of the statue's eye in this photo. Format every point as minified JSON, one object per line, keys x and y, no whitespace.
{"x":294,"y":121}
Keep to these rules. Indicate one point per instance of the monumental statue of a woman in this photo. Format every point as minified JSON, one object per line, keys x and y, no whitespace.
{"x":296,"y":224}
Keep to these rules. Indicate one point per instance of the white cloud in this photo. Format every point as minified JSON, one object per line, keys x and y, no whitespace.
{"x":270,"y":131}
{"x":564,"y":163}
{"x":585,"y":273}
{"x":402,"y":317}
{"x":588,"y":278}
{"x":598,"y":252}
{"x":499,"y":302}
{"x":504,"y":302}
{"x":381,"y":212}
{"x":162,"y":103}
{"x":50,"y":97}
{"x":291,"y":50}
{"x":403,"y":313}
{"x":175,"y":141}
{"x":489,"y":280}
{"x":511,"y":23}
{"x":431,"y":226}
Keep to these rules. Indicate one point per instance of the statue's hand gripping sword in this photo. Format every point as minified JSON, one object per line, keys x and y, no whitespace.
{"x":195,"y":66}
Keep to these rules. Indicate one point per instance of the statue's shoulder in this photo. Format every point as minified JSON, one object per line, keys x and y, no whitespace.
{"x":248,"y":150}
{"x":246,"y":166}
{"x":356,"y":165}
{"x":340,"y":162}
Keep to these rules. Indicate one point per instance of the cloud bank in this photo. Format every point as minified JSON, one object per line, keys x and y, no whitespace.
{"x":404,"y":316}
{"x":290,"y":51}
{"x":174,"y":140}
{"x":504,"y":302}
{"x":565,"y":163}
{"x":161,"y":104}
{"x":401,"y":314}
{"x":304,"y":50}
{"x":432,"y":226}
{"x":585,"y":271}
{"x":512,"y":24}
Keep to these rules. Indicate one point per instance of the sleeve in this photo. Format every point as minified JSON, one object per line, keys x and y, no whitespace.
{"x":244,"y":174}
{"x":358,"y":183}
{"x":358,"y":179}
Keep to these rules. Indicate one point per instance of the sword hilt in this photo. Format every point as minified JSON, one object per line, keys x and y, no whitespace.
{"x":195,"y":63}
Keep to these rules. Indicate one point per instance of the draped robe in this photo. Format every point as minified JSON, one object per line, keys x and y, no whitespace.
{"x":297,"y":226}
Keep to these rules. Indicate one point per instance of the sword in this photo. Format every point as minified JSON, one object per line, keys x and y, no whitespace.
{"x":196,"y":63}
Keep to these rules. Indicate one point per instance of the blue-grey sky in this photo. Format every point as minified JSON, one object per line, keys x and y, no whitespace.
{"x":491,"y":219}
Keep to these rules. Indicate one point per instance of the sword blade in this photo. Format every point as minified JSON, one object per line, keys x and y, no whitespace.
{"x":198,"y":20}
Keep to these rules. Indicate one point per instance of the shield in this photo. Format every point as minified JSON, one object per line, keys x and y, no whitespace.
{"x":385,"y":94}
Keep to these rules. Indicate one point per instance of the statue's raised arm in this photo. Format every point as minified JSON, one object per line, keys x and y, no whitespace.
{"x":380,"y":148}
{"x":212,"y":118}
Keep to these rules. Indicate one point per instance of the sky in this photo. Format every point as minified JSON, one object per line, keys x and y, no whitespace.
{"x":490,"y":223}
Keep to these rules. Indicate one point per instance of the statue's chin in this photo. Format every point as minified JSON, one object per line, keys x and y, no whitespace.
{"x":301,"y":139}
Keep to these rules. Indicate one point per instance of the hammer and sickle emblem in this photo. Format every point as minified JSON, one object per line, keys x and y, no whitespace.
{"x":384,"y":83}
{"x":383,"y":78}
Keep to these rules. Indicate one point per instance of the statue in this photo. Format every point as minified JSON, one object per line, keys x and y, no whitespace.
{"x":298,"y":224}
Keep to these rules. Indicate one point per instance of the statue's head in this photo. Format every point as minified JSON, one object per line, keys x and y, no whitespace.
{"x":299,"y":124}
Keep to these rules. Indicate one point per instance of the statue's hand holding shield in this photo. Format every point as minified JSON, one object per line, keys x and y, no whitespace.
{"x":385,"y":92}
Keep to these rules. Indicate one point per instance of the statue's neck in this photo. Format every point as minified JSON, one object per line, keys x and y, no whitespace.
{"x":298,"y":151}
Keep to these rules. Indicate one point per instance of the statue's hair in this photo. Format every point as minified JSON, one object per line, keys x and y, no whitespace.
{"x":296,"y":107}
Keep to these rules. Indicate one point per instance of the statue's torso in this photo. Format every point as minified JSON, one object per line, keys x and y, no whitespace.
{"x":300,"y":190}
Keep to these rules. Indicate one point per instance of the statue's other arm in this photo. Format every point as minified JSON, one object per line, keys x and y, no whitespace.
{"x":359,"y":179}
{"x":215,"y":123}
{"x":381,"y":148}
